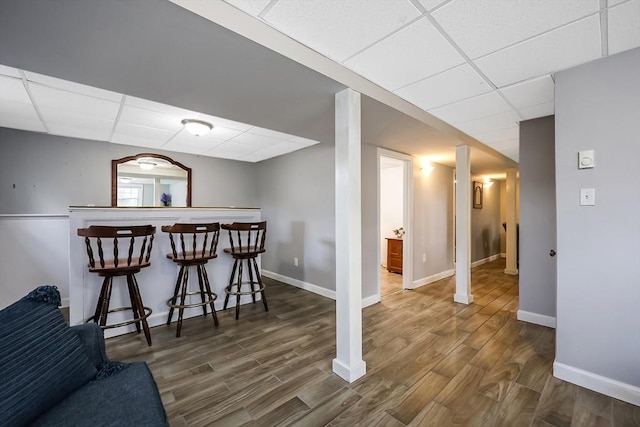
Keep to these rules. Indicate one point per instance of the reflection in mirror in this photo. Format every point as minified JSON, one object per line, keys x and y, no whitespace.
{"x":150,"y":180}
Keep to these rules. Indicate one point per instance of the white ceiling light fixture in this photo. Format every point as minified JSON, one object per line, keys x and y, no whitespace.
{"x":146,"y":164}
{"x":197,"y":127}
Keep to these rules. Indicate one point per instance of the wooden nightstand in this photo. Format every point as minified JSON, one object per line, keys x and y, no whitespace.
{"x":394,"y":255}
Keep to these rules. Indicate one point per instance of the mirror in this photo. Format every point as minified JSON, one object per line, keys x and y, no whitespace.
{"x":148,"y":179}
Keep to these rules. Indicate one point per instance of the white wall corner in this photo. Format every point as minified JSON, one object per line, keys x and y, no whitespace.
{"x":373,"y":299}
{"x":537,"y":319}
{"x":485,"y":260}
{"x":607,"y":386}
{"x":433,"y":278}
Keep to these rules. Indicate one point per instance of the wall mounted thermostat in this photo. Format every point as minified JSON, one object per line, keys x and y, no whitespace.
{"x":586,"y":159}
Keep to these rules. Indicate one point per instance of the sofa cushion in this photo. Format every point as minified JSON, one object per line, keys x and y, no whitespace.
{"x":41,"y":360}
{"x":129,"y":397}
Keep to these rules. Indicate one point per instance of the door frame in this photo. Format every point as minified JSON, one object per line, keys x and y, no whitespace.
{"x":407,"y":215}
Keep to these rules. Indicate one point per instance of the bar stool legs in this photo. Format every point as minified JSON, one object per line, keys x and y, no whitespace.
{"x":140,"y":312}
{"x":180,"y":294}
{"x":236,"y":280}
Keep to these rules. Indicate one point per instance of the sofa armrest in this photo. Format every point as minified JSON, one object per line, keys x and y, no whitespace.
{"x":92,"y":340}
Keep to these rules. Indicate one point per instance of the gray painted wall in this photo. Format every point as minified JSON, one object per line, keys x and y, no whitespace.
{"x":51,"y":173}
{"x":486,"y":225}
{"x":598,"y":289}
{"x":433,"y":220}
{"x":537,"y":216}
{"x":370,"y":229}
{"x":296,"y":193}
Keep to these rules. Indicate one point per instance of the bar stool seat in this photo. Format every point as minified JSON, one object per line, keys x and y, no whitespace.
{"x":247,"y":241}
{"x":197,"y":245}
{"x":137,"y":242}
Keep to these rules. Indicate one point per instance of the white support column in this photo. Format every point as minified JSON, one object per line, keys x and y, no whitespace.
{"x":463,"y":225}
{"x":348,"y":363}
{"x":512,"y":263}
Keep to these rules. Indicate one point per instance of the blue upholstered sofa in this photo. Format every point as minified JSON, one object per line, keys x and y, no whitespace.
{"x":55,"y":375}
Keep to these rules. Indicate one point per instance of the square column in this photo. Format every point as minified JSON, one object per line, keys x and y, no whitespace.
{"x":463,"y":225}
{"x":348,"y":363}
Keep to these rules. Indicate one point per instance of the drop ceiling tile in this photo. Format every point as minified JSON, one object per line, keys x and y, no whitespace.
{"x":73,"y":103}
{"x":270,"y":133}
{"x":431,"y":4}
{"x":233,"y":147}
{"x":92,"y":133}
{"x":143,"y":117}
{"x":494,"y":137}
{"x":557,"y":50}
{"x":182,"y":148}
{"x":12,"y":89}
{"x":9,"y":71}
{"x":304,"y":142}
{"x":220,"y":122}
{"x":611,"y":3}
{"x":411,"y":54}
{"x":252,"y":7}
{"x":160,"y":108}
{"x":535,"y":111}
{"x":17,"y":115}
{"x":72,"y":87}
{"x":119,"y":138}
{"x":74,"y":122}
{"x":253,"y":142}
{"x":489,"y":124}
{"x":624,"y":27}
{"x":444,"y":88}
{"x":156,"y":137}
{"x":510,"y":148}
{"x":530,"y":92}
{"x":504,"y":22}
{"x":186,"y":139}
{"x":340,"y":29}
{"x":488,"y":104}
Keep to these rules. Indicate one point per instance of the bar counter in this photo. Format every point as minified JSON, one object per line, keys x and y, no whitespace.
{"x":156,"y":281}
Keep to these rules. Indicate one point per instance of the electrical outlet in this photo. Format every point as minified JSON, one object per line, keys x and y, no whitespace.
{"x":295,"y":261}
{"x":424,"y":257}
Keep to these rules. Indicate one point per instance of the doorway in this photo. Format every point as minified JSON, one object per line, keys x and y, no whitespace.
{"x":395,"y":246}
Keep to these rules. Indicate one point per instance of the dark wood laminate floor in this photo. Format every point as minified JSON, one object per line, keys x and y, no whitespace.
{"x":430,"y":362}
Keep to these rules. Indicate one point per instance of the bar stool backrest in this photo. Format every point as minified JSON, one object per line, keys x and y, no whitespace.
{"x":196,"y":241}
{"x":246,"y":237}
{"x":133,"y":241}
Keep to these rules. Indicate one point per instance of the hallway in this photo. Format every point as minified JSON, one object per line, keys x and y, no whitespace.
{"x":430,"y":362}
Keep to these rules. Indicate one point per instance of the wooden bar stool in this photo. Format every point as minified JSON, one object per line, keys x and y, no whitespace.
{"x":247,"y":242}
{"x":137,"y":242}
{"x":198,"y":244}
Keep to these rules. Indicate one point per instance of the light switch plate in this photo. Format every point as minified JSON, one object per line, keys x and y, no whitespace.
{"x":586,"y":159}
{"x":587,"y":197}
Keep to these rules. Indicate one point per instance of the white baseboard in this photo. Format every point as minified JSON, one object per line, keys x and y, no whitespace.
{"x":64,"y":303}
{"x":485,"y":260}
{"x":511,"y":271}
{"x":537,"y":319}
{"x":327,"y":293}
{"x":347,"y":373}
{"x":433,"y":278}
{"x":607,"y":386}
{"x":503,"y":255}
{"x":373,"y":299}
{"x":463,"y":298}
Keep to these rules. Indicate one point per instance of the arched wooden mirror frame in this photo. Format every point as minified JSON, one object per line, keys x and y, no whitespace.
{"x":114,"y":174}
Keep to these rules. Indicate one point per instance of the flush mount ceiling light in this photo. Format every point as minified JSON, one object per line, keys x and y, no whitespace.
{"x":197,"y":127}
{"x":146,"y":164}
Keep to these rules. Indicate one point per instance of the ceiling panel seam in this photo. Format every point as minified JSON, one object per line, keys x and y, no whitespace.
{"x":25,"y":83}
